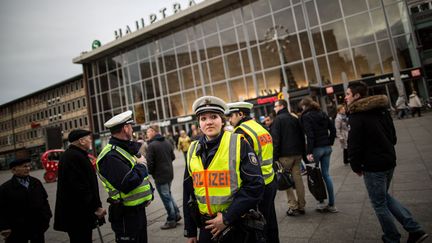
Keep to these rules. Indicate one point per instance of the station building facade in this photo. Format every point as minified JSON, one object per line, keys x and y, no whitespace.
{"x":33,"y":123}
{"x":251,"y":50}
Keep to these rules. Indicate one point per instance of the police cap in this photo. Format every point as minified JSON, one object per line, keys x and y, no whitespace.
{"x":120,"y":119}
{"x":209,"y":104}
{"x":239,"y":106}
{"x":18,"y":162}
{"x":77,"y":134}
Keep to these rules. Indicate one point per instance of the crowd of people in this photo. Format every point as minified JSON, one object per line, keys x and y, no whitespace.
{"x":230,"y":180}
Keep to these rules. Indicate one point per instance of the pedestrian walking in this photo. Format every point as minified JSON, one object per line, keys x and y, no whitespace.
{"x":125,"y":178}
{"x":288,"y":148}
{"x":320,"y":135}
{"x":371,"y":153}
{"x":78,"y":207}
{"x":261,"y":142}
{"x":341,"y":124}
{"x":401,"y":107}
{"x":184,"y":142}
{"x":160,"y":155}
{"x":268,"y":121}
{"x":223,"y":181}
{"x":24,"y":210}
{"x":415,"y":104}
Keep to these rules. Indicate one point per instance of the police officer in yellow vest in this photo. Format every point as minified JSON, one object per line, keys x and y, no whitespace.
{"x":124,"y":176}
{"x":222,"y":176}
{"x":261,"y":141}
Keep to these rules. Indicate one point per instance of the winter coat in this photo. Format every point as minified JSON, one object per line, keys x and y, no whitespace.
{"x":372,"y":135}
{"x":401,"y":103}
{"x":341,"y":124}
{"x":414,"y":101}
{"x":77,"y":192}
{"x":319,"y":129}
{"x":184,"y":143}
{"x":287,"y":135}
{"x":25,"y":211}
{"x":160,"y":155}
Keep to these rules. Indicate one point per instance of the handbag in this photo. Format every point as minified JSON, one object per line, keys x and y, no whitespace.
{"x":315,"y":182}
{"x":283,"y":177}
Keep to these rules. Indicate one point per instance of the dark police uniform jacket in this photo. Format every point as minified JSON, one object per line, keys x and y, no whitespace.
{"x":247,"y":197}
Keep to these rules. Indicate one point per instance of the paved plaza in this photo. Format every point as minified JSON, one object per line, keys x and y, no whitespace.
{"x":356,"y":222}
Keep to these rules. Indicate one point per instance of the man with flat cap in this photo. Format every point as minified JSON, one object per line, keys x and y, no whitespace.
{"x":124,"y":175}
{"x":223,"y":181}
{"x":261,"y":141}
{"x":24,"y":210}
{"x":78,"y":206}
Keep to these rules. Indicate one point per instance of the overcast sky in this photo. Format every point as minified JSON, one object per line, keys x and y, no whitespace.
{"x":39,"y":38}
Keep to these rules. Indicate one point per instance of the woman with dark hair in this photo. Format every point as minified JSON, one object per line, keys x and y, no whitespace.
{"x":320,"y":135}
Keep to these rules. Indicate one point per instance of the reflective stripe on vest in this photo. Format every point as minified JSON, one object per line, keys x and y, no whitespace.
{"x":215,"y":186}
{"x":140,"y":194}
{"x":263,"y":147}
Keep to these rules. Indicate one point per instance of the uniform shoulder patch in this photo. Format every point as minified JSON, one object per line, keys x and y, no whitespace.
{"x":253,"y":159}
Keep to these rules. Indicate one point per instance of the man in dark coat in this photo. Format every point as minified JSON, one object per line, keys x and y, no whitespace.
{"x":24,"y":210}
{"x":78,"y":206}
{"x":288,"y":148}
{"x":371,"y":153}
{"x":160,"y":155}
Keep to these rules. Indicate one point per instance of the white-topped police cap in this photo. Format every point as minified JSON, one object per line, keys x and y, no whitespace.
{"x":209,"y":104}
{"x":237,"y":106}
{"x":122,"y":118}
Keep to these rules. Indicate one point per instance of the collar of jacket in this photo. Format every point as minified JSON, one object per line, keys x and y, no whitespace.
{"x":157,"y":137}
{"x":17,"y":184}
{"x":284,"y":110}
{"x":244,"y":119}
{"x":368,"y":103}
{"x":130,"y":146}
{"x":76,"y":148}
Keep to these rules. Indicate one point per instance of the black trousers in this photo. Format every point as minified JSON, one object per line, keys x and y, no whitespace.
{"x":81,"y":236}
{"x":24,"y":238}
{"x":267,"y":208}
{"x":128,"y":223}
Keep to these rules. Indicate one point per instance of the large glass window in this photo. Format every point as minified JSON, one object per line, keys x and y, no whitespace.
{"x":176,"y":105}
{"x":386,"y":55}
{"x":173,"y":82}
{"x":234,"y":64}
{"x":103,"y":83}
{"x":137,"y":92}
{"x":298,"y":11}
{"x":366,"y":60}
{"x":295,"y":75}
{"x":213,"y":46}
{"x":285,"y":18}
{"x":406,"y":52}
{"x":262,"y":26}
{"x":209,"y":26}
{"x":106,"y":105}
{"x":166,"y":43}
{"x":188,"y":81}
{"x":341,"y":62}
{"x":250,"y":30}
{"x":378,"y":24}
{"x":260,"y":8}
{"x":398,"y":18}
{"x":229,"y":42}
{"x":334,"y":36}
{"x":225,"y":20}
{"x":290,"y":47}
{"x":279,"y":4}
{"x":328,"y":10}
{"x":180,"y":37}
{"x":148,"y":89}
{"x":359,"y":29}
{"x":310,"y":71}
{"x":274,"y":80}
{"x":151,"y":110}
{"x":134,"y":72}
{"x":189,"y":98}
{"x":245,"y":60}
{"x":317,"y":40}
{"x":183,"y":57}
{"x":145,"y":69}
{"x":323,"y":70}
{"x":220,"y":90}
{"x":217,"y":69}
{"x":139,"y":114}
{"x":353,"y":6}
{"x":113,"y":80}
{"x":115,"y":99}
{"x":170,"y":61}
{"x":270,"y":54}
{"x":237,"y":89}
{"x":304,"y":40}
{"x":312,"y":15}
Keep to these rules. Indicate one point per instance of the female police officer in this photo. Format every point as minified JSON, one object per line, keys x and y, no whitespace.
{"x":222,"y":176}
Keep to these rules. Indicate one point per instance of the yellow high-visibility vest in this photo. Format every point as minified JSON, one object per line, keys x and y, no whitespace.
{"x":140,"y":194}
{"x":215,"y":186}
{"x":263,"y":147}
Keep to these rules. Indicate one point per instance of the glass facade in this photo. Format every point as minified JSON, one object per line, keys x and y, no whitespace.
{"x":245,"y":52}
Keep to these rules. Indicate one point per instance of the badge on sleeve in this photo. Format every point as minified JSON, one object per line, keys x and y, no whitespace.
{"x":253,"y":159}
